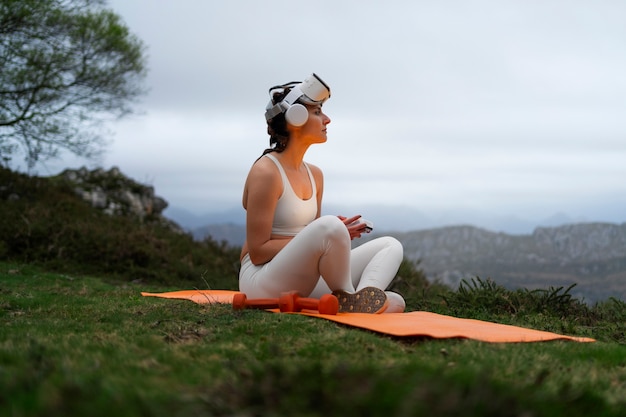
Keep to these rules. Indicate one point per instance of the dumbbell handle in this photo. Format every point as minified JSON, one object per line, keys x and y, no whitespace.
{"x":307,"y":303}
{"x":292,"y":302}
{"x":241,"y":301}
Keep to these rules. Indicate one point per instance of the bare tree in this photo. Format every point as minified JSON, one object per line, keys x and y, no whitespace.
{"x":65,"y":67}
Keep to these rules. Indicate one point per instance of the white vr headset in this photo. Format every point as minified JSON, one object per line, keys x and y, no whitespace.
{"x":310,"y":91}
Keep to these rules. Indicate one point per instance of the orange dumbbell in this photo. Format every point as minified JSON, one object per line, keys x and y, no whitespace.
{"x":289,"y":302}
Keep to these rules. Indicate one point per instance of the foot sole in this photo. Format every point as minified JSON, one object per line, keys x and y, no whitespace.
{"x":368,"y":300}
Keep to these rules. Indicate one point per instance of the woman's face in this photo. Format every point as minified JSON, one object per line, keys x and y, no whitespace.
{"x":315,"y":127}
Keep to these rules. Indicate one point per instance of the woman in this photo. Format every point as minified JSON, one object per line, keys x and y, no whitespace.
{"x":289,"y":245}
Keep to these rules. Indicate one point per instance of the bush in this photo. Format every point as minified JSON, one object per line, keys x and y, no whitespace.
{"x":412,"y":283}
{"x":552,"y":309}
{"x":47,"y":224}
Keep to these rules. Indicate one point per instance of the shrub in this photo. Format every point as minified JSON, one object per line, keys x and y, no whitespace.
{"x":552,"y":309}
{"x":48,"y":225}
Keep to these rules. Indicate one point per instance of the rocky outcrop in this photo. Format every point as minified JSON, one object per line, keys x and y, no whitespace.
{"x":114,"y":193}
{"x":591,"y":241}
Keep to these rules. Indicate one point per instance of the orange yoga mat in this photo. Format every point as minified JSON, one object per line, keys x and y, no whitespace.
{"x":411,"y":324}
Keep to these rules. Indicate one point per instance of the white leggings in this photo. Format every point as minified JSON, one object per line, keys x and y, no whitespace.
{"x":319,"y":260}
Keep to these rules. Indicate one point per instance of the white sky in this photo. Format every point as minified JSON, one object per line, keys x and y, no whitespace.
{"x":506,"y":107}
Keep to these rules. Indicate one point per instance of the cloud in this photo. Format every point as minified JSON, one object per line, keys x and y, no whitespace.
{"x":487,"y":105}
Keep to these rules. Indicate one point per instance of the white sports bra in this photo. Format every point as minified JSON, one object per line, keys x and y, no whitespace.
{"x":293,"y":213}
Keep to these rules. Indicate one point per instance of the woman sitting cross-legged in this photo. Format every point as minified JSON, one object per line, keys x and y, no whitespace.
{"x":289,"y":245}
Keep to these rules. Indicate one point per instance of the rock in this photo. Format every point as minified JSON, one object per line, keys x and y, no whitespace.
{"x":116,"y":194}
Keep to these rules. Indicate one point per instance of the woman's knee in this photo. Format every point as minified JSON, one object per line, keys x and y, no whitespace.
{"x":394,"y":247}
{"x":332,"y":226}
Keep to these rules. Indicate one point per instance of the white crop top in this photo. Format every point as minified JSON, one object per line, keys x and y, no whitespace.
{"x":293,"y":213}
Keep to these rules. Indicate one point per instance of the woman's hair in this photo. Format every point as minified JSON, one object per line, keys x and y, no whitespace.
{"x":277,"y":125}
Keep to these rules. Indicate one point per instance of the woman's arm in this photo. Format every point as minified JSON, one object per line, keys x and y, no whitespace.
{"x":319,"y":184}
{"x":261,"y":193}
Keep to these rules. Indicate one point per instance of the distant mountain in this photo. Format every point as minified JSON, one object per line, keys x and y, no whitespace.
{"x":191,"y":221}
{"x":388,"y":218}
{"x":233,"y":234}
{"x":591,"y":255}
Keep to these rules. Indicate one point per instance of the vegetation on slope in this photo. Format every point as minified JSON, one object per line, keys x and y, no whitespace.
{"x":46,"y":224}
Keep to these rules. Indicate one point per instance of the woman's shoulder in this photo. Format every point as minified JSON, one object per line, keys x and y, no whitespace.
{"x":263,"y":168}
{"x":263,"y":163}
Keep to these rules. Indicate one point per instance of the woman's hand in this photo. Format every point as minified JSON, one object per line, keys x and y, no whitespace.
{"x":354,"y":228}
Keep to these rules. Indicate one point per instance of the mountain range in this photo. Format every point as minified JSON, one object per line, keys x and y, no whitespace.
{"x":590,"y":255}
{"x":388,"y":218}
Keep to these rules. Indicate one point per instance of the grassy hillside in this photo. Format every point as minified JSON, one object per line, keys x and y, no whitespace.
{"x":75,"y":345}
{"x":77,"y":338}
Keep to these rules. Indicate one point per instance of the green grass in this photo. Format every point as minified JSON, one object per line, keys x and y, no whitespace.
{"x":80,"y":345}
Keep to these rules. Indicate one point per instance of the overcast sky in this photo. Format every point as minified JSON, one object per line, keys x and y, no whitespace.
{"x":500,"y":107}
